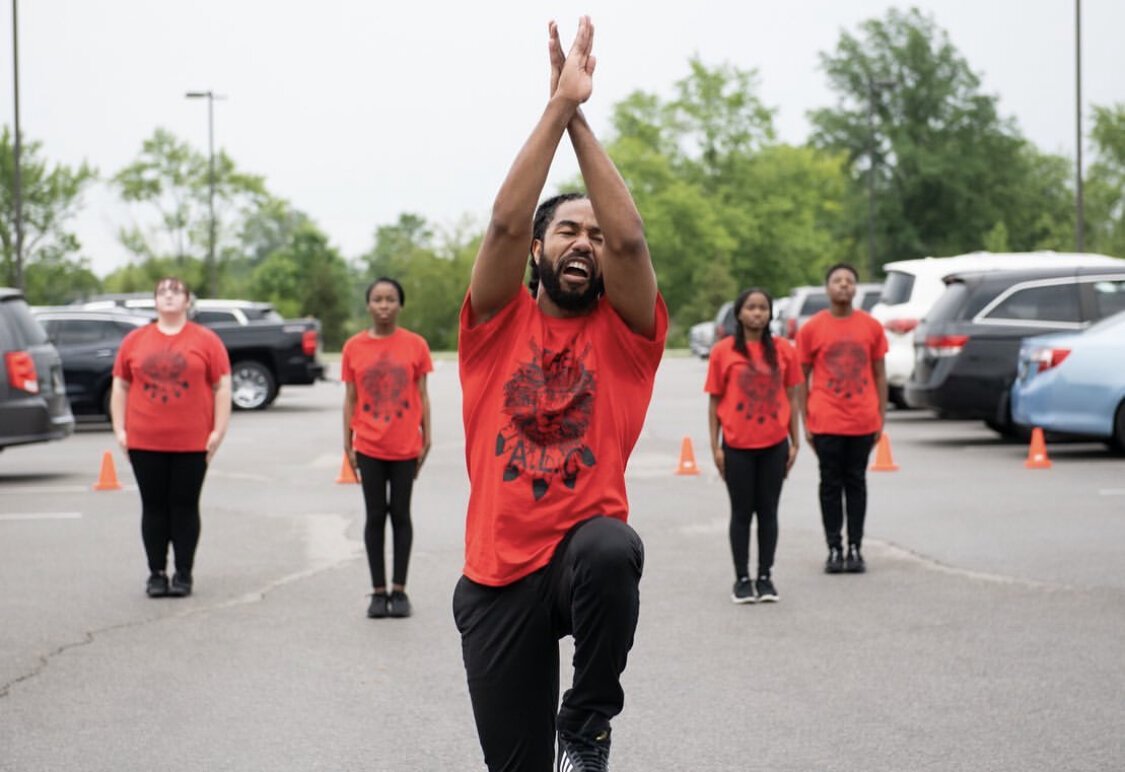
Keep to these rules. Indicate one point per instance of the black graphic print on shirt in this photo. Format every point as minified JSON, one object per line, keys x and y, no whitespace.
{"x":848,"y":368}
{"x":758,"y":389}
{"x":164,"y":375}
{"x":384,"y":385}
{"x":548,"y":401}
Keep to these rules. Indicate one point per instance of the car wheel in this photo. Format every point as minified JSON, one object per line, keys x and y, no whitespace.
{"x":897,"y":397}
{"x":106,"y":395}
{"x":1119,"y":429}
{"x":253,"y":386}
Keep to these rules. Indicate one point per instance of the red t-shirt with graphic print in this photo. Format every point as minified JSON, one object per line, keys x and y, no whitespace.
{"x":171,"y":403}
{"x":753,"y":404}
{"x":387,"y":421}
{"x":842,"y":398}
{"x":552,"y":410}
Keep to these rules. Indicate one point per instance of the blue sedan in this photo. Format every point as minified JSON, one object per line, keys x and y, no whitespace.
{"x":1074,"y":383}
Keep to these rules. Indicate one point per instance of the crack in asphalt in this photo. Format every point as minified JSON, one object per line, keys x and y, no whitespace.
{"x":255,"y":596}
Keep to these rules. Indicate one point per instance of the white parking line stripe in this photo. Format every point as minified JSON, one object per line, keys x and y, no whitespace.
{"x":56,"y":489}
{"x":42,"y":516}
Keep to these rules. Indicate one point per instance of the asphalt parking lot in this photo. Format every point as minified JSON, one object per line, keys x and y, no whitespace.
{"x":989,"y":633}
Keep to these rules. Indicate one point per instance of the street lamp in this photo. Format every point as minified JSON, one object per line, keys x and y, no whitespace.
{"x":17,"y":171}
{"x":212,"y":273}
{"x":873,"y":89}
{"x":1080,"y":218}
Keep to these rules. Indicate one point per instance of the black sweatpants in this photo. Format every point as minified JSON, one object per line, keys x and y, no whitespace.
{"x":170,"y":484}
{"x":387,"y":486}
{"x":754,"y":478}
{"x":510,"y":635}
{"x":843,"y":476}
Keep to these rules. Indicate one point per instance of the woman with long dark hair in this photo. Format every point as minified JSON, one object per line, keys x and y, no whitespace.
{"x":386,"y":434}
{"x":754,"y":384}
{"x":170,"y":407}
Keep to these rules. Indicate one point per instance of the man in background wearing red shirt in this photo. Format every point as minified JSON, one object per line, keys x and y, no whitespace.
{"x":555,"y":384}
{"x":843,"y":349}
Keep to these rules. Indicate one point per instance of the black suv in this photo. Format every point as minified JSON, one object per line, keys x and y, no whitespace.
{"x":966,"y":350}
{"x":33,"y":406}
{"x":87,"y":342}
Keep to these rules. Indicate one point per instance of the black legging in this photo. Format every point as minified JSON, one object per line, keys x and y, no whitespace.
{"x":754,"y":479}
{"x":375,"y":474}
{"x":843,"y":478}
{"x":170,"y":484}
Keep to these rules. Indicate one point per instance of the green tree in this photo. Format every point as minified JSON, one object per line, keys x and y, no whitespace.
{"x":948,"y":167}
{"x":172,"y":178}
{"x":51,"y":197}
{"x":307,"y":277}
{"x":1105,"y":183}
{"x":725,"y":206}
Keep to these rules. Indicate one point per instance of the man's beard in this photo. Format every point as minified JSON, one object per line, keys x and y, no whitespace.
{"x":565,"y":299}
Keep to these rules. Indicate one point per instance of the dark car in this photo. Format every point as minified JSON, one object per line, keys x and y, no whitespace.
{"x":33,"y":405}
{"x":266,"y":351}
{"x":967,"y":348}
{"x":87,"y":342}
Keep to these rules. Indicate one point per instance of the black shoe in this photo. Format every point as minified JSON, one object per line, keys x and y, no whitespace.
{"x":853,"y":563}
{"x":398,"y":605}
{"x":767,"y":593}
{"x":835,"y":562}
{"x":743,"y":591}
{"x":378,"y":607}
{"x":181,"y":586}
{"x":157,"y":586}
{"x":579,"y":753}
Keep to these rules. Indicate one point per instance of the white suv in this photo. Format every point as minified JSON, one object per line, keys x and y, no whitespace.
{"x":913,"y":286}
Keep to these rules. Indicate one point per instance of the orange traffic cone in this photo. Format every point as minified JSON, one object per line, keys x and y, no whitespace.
{"x":107,"y":477}
{"x":884,"y":462}
{"x":687,"y":459}
{"x":347,"y":474}
{"x":1037,"y":451}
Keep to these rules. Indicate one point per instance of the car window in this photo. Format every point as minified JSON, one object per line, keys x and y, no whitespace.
{"x":262,"y":314}
{"x":1109,"y":297}
{"x":211,"y":317}
{"x":869,"y":300}
{"x":76,"y":332}
{"x":15,"y":315}
{"x":1049,"y":303}
{"x":898,"y":287}
{"x":950,"y":303}
{"x":814,"y":302}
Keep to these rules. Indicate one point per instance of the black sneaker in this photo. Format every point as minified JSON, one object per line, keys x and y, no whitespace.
{"x":157,"y":586}
{"x":398,"y":605}
{"x":181,"y":586}
{"x":767,"y":593}
{"x":853,"y":563}
{"x":835,"y":562}
{"x":743,"y":591}
{"x":583,"y":754}
{"x":378,"y":607}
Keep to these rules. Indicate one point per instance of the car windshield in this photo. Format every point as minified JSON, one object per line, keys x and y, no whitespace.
{"x":814,"y":301}
{"x":949,"y":305}
{"x":897,"y":287}
{"x":17,"y":313}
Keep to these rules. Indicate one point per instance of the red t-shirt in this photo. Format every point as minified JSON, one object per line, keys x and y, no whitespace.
{"x":171,"y":403}
{"x":387,"y":421}
{"x":552,"y":409}
{"x":753,"y":404}
{"x":841,"y":350}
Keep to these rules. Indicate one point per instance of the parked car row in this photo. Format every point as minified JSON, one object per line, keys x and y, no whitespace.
{"x":965,"y":338}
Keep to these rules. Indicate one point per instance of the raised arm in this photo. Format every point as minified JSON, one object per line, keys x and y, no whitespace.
{"x":630,"y":281}
{"x":500,"y":263}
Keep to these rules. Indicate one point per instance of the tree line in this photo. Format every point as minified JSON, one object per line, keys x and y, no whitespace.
{"x":726,"y":205}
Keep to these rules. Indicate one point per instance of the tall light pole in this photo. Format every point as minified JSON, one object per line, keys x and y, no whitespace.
{"x":212,"y":269}
{"x":873,"y":89}
{"x":1080,"y":217}
{"x":17,"y":171}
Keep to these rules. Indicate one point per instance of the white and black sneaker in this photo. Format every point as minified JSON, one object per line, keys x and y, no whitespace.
{"x":743,"y":591}
{"x":767,"y":593}
{"x":579,"y":753}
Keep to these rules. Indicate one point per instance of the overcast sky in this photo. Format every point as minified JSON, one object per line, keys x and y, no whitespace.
{"x":357,"y":111}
